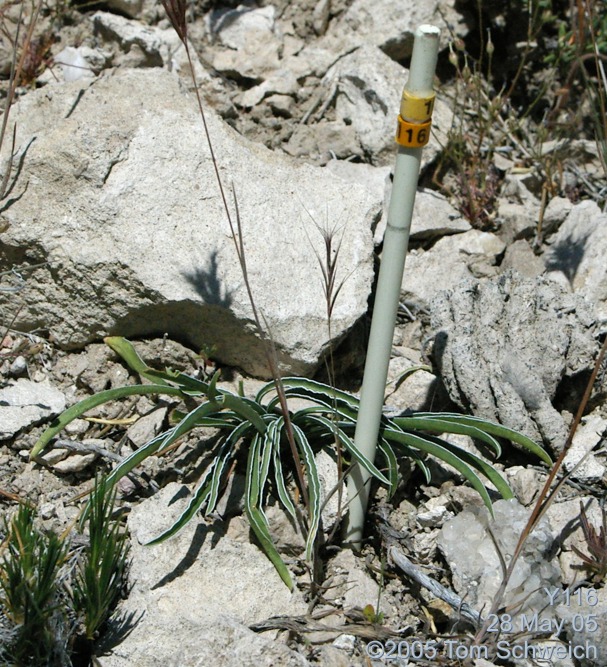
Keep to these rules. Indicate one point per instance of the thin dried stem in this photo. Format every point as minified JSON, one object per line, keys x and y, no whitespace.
{"x":331,"y":289}
{"x":176,"y":11}
{"x":13,"y":82}
{"x":546,"y":497}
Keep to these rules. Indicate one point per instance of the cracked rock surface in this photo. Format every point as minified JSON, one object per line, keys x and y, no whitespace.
{"x":504,"y":345}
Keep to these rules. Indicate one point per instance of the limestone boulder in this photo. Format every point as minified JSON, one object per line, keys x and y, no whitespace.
{"x":576,"y":257}
{"x":117,"y":201}
{"x":389,"y":26}
{"x":451,"y":259}
{"x":503,"y":346}
{"x":365,"y":86}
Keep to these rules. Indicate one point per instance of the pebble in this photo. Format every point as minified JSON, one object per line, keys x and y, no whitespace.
{"x":47,"y":511}
{"x":74,"y":463}
{"x":18,"y":367}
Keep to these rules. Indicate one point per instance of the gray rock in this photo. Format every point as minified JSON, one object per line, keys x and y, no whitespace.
{"x":194,"y":595}
{"x":25,"y":403}
{"x":524,"y":482}
{"x":556,"y":213}
{"x":281,"y":105}
{"x":588,"y":435}
{"x":320,"y":16}
{"x":518,"y":210}
{"x":581,"y":152}
{"x":281,"y":82}
{"x":137,"y":45}
{"x":433,"y":216}
{"x":565,"y":519}
{"x":145,"y":428}
{"x":151,"y":46}
{"x":367,"y":86}
{"x":371,"y":23}
{"x":433,"y":513}
{"x":376,"y":179}
{"x":178,"y":642}
{"x":520,"y":257}
{"x":502,"y":347}
{"x":448,"y":261}
{"x":12,"y":26}
{"x":352,"y":586}
{"x":585,"y":605}
{"x":254,"y":48}
{"x":328,"y":475}
{"x":234,"y":27}
{"x":577,"y":254}
{"x":73,"y":64}
{"x":414,"y":392}
{"x":129,"y":7}
{"x":472,"y":556}
{"x":18,"y":367}
{"x":384,"y":24}
{"x":136,"y":246}
{"x":74,"y":463}
{"x":54,"y":455}
{"x":323,"y":141}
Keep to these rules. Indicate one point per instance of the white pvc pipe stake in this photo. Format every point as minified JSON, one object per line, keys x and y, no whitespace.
{"x":412,"y":134}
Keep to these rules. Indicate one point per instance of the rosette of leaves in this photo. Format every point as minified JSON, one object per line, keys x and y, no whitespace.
{"x":255,"y":429}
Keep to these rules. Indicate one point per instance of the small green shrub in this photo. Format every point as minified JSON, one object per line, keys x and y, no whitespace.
{"x":254,"y":431}
{"x":30,"y":604}
{"x":101,"y":575}
{"x":54,"y":601}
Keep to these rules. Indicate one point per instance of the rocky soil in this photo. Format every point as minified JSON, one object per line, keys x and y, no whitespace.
{"x":112,"y":226}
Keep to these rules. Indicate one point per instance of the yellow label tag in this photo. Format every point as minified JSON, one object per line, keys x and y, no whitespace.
{"x":416,"y":108}
{"x":412,"y":135}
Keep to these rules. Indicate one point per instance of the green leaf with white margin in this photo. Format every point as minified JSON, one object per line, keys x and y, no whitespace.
{"x":125,"y":466}
{"x":402,"y":377}
{"x":246,"y":409}
{"x":162,"y":441}
{"x":126,"y":350}
{"x":391,"y":464}
{"x":319,"y":388}
{"x":91,"y":402}
{"x":227,"y":451}
{"x":482,"y":466}
{"x":438,"y":425}
{"x":207,"y":490}
{"x":271,"y":440}
{"x":314,"y":391}
{"x":313,"y":487}
{"x":256,"y":517}
{"x":281,"y":487}
{"x":197,"y":501}
{"x":476,"y":462}
{"x":212,"y":390}
{"x":498,"y":430}
{"x":348,"y":443}
{"x":347,"y":416}
{"x":410,"y":454}
{"x":443,"y":454}
{"x":227,"y":421}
